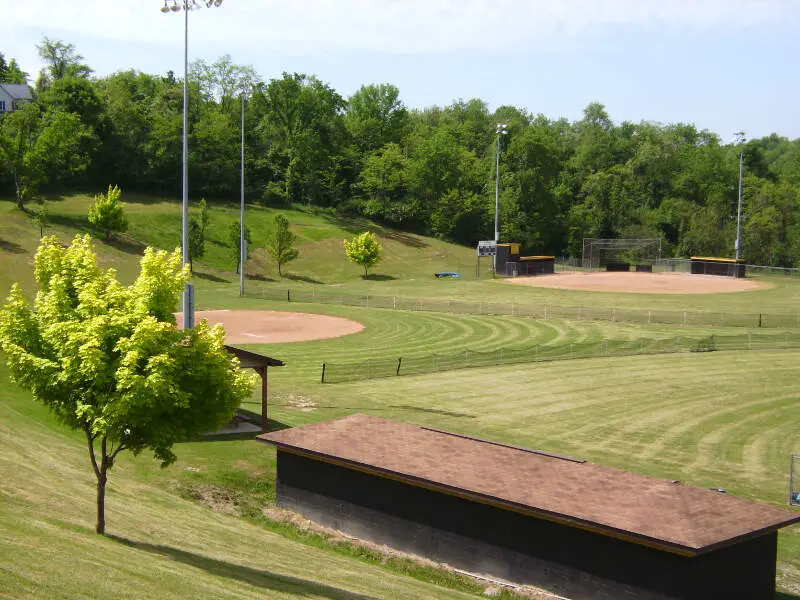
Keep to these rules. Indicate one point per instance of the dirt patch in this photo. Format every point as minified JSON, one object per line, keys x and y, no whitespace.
{"x":641,"y":283}
{"x":217,"y":499}
{"x":273,"y":327}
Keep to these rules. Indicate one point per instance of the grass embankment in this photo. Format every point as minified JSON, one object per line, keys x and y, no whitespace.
{"x":160,"y":545}
{"x":407,"y":269}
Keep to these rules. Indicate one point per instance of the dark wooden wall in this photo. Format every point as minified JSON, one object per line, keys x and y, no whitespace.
{"x":508,"y":545}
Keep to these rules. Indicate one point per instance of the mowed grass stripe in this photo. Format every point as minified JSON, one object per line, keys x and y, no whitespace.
{"x":160,"y":546}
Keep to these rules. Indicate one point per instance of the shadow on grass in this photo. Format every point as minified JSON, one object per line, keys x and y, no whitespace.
{"x":258,"y":277}
{"x":80,"y":223}
{"x":303,"y":278}
{"x":11,"y":247}
{"x":406,"y":239}
{"x":255,"y":577}
{"x":436,"y":411}
{"x":785,"y":596}
{"x":379,"y":278}
{"x":209,"y":277}
{"x":125,"y":244}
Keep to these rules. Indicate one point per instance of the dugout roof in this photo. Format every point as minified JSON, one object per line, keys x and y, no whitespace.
{"x":645,"y":510}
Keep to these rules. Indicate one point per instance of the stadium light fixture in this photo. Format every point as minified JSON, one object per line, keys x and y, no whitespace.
{"x":188,"y":294}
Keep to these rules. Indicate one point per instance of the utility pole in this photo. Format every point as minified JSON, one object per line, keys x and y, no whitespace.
{"x":740,"y":139}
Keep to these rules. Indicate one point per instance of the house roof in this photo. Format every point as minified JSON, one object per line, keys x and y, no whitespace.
{"x":17,"y":91}
{"x":645,"y":510}
{"x":248,"y":359}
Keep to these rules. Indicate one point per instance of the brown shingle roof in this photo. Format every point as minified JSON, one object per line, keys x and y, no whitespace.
{"x":646,"y":510}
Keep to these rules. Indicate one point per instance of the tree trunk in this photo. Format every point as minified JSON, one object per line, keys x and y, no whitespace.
{"x":101,"y":500}
{"x":18,"y":188}
{"x":365,"y":272}
{"x":279,"y":270}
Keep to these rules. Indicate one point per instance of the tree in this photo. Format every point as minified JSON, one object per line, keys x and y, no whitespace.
{"x":197,"y":234}
{"x":60,"y":61}
{"x":10,"y":71}
{"x":34,"y":145}
{"x":108,"y":212}
{"x":364,"y":250}
{"x":197,"y":241}
{"x":107,"y":359}
{"x":376,"y":116}
{"x":235,"y":238}
{"x":281,"y":242}
{"x":41,"y":218}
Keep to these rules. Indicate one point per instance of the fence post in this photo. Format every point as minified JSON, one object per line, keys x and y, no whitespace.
{"x":369,"y":369}
{"x":501,"y":355}
{"x":545,"y":312}
{"x":649,"y":317}
{"x":480,"y":308}
{"x":367,"y":300}
{"x":580,"y":313}
{"x":288,"y":295}
{"x":684,"y":317}
{"x":759,"y":320}
{"x":399,"y":362}
{"x":394,"y":302}
{"x":322,"y":380}
{"x":613,"y":315}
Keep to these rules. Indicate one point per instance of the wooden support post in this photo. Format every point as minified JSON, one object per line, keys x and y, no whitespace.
{"x":264,"y":397}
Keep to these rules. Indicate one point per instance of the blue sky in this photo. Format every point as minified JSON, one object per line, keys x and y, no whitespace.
{"x":725,"y":65}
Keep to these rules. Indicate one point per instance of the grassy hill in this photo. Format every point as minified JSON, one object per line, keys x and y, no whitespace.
{"x":407,"y":269}
{"x":198,"y":528}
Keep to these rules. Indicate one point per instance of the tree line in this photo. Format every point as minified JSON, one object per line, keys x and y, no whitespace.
{"x":427,"y":170}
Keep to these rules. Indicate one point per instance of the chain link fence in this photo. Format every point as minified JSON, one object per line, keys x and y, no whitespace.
{"x":341,"y":372}
{"x":539,"y":311}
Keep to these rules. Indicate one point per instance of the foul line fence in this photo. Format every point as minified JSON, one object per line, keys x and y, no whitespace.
{"x":333,"y":372}
{"x":540,"y":311}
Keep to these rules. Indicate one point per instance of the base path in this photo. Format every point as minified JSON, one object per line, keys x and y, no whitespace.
{"x":640,"y":283}
{"x":272,"y":327}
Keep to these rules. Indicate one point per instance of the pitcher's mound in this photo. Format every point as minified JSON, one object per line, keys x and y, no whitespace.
{"x":271,"y":327}
{"x":641,"y":283}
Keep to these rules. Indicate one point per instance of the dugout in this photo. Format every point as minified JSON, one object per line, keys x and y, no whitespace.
{"x":506,"y":253}
{"x":575,"y":528}
{"x":708,"y":265}
{"x":534,"y":265}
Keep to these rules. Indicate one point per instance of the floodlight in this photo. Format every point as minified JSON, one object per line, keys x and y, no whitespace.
{"x":165,"y":8}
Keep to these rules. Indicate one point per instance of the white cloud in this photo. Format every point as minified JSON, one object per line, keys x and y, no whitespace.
{"x":397,"y":26}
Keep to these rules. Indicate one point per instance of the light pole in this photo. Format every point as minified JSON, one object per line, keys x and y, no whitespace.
{"x":501,"y":130}
{"x":186,"y":6}
{"x":242,"y":248}
{"x":740,"y":137}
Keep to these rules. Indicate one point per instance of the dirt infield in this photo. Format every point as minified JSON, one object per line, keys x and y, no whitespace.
{"x":271,"y":327}
{"x":641,"y":283}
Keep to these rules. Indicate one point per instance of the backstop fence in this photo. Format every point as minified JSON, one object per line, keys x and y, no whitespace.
{"x":340,"y":372}
{"x":538,"y":311}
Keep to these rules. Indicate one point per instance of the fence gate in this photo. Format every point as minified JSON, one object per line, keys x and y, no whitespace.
{"x":794,"y":481}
